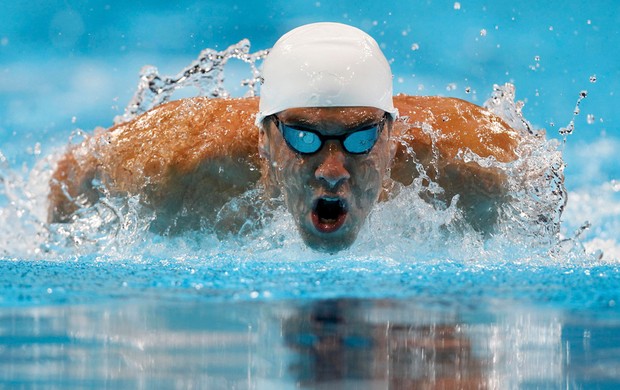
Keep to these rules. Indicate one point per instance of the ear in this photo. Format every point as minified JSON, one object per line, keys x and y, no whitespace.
{"x":264,"y":149}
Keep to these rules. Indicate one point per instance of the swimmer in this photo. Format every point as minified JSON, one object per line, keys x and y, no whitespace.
{"x":326,"y":134}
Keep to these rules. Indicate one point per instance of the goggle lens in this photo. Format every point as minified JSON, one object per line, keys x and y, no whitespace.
{"x":306,"y":141}
{"x":301,"y":141}
{"x":361,"y":141}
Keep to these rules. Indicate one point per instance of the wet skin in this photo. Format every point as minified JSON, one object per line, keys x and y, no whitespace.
{"x":349,"y":184}
{"x":188,"y":158}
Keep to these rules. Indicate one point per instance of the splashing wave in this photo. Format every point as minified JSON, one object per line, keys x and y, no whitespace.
{"x":405,"y":228}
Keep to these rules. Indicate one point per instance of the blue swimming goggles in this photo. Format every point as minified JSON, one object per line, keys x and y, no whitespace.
{"x":307,"y":141}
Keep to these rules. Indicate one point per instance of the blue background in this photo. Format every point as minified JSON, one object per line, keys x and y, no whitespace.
{"x":74,"y":64}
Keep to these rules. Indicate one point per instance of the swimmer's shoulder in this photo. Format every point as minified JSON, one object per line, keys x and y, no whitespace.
{"x":197,"y":118}
{"x":178,"y":142}
{"x":436,"y":129}
{"x":184,"y":133}
{"x":456,"y":124}
{"x":173,"y":156}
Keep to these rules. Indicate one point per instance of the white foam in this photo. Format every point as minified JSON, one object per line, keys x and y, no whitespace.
{"x":598,"y":207}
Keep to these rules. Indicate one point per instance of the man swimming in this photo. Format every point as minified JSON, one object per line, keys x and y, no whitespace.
{"x":329,"y":140}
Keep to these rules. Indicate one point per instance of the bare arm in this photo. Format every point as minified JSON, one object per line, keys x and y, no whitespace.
{"x":193,"y":153}
{"x":450,"y":125}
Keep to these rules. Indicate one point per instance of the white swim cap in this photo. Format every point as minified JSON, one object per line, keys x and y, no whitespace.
{"x":325,"y":65}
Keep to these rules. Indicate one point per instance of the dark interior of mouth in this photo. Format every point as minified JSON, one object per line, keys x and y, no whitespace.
{"x":328,"y":210}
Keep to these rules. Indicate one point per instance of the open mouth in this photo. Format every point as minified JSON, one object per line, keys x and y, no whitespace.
{"x":329,"y":214}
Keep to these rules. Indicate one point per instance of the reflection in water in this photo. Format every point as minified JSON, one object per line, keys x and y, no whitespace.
{"x":355,"y":341}
{"x":403,"y":346}
{"x":318,"y":344}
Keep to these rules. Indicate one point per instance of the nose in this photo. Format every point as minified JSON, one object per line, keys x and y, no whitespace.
{"x":332,"y":168}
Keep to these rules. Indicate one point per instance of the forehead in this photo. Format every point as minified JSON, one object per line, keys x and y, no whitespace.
{"x":343,"y":117}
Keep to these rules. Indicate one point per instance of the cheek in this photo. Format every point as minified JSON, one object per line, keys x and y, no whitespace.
{"x":291,"y":174}
{"x":281,"y":162}
{"x":369,"y":181}
{"x":369,"y":175}
{"x":288,"y":169}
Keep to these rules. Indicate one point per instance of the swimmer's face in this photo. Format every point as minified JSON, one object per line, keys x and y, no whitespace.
{"x":329,"y":192}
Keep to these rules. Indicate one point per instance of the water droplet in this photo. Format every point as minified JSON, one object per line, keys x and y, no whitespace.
{"x":483,"y":32}
{"x":593,"y":78}
{"x":404,"y":33}
{"x":537,"y":58}
{"x":415,"y":46}
{"x":254,"y":294}
{"x":73,"y":119}
{"x":550,"y":28}
{"x":590,"y":119}
{"x":467,"y":89}
{"x":568,"y":129}
{"x":451,"y":87}
{"x":401,"y":80}
{"x":457,"y":5}
{"x":583,"y":94}
{"x":375,"y":23}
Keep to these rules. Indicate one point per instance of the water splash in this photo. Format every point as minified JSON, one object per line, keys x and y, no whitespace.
{"x":503,"y":103}
{"x":206,"y":73}
{"x":406,"y":228}
{"x":23,"y":214}
{"x":529,"y":222}
{"x":568,"y":130}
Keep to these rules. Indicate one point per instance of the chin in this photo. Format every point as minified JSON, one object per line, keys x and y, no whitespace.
{"x":328,"y":243}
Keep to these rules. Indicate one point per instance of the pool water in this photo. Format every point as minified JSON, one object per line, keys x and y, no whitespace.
{"x":105,"y":303}
{"x":341,"y":322}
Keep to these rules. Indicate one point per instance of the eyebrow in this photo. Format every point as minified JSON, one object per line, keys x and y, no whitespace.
{"x":316,"y":124}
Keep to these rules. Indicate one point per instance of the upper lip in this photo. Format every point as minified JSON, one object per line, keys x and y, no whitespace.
{"x":331,"y":197}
